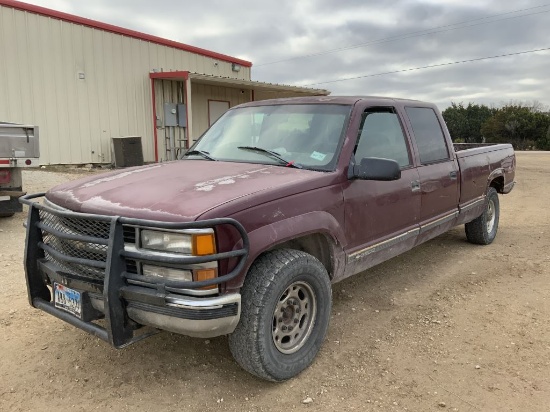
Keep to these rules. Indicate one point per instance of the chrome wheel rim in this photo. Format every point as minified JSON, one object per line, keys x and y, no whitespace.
{"x":294,"y":317}
{"x":491,"y":216}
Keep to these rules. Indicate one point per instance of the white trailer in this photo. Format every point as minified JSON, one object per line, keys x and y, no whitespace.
{"x":18,"y":149}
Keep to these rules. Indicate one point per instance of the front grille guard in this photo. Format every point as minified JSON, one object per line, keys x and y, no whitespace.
{"x":117,"y":332}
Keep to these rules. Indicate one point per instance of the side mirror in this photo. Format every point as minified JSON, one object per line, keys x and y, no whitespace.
{"x":373,"y":168}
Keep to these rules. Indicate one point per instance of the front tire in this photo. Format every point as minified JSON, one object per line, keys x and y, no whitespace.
{"x":286,"y":304}
{"x":483,"y":230}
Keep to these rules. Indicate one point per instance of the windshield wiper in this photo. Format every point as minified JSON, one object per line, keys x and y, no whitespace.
{"x":272,"y":154}
{"x":202,"y":153}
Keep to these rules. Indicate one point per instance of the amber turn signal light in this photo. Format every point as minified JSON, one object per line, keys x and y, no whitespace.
{"x":204,"y":244}
{"x":206,"y":274}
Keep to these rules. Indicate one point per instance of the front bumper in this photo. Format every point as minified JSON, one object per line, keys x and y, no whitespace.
{"x":58,"y":249}
{"x":201,"y":318}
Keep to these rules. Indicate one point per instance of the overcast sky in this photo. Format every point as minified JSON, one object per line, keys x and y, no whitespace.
{"x":392,"y":34}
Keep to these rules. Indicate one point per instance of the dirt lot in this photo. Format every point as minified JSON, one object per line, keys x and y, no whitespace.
{"x":447,"y":326}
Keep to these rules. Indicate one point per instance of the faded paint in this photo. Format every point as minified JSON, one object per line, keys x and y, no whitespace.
{"x":98,"y":203}
{"x":227,"y":180}
{"x":119,"y":176}
{"x":278,"y":213}
{"x":160,"y":190}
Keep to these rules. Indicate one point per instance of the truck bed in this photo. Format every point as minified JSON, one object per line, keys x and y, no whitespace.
{"x":479,"y":164}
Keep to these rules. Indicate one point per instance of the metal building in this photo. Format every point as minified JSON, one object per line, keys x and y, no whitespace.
{"x":84,"y":82}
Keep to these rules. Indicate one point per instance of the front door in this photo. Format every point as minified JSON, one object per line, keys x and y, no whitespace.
{"x":381,"y":218}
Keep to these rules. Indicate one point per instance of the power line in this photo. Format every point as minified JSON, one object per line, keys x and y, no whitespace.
{"x":419,"y":33}
{"x":429,"y":66}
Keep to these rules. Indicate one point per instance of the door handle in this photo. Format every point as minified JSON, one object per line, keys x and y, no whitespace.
{"x":415,"y":186}
{"x":453,"y":175}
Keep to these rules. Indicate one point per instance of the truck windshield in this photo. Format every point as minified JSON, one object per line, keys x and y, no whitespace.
{"x":306,"y":136}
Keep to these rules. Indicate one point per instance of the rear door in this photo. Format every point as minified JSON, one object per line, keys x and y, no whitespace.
{"x":438,"y":172}
{"x":381,"y":218}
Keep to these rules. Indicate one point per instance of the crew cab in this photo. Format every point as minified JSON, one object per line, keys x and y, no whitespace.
{"x":246,"y":233}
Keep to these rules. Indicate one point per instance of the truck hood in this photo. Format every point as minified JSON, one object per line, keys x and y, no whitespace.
{"x":177,"y":191}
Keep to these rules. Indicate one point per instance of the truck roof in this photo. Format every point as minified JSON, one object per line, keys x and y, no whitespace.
{"x":351,"y":100}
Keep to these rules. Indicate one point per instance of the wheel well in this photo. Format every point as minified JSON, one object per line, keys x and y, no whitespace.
{"x":498,"y":183}
{"x":316,"y":244}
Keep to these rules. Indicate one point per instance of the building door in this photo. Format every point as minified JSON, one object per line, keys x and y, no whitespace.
{"x":171,"y":119}
{"x":216,"y":108}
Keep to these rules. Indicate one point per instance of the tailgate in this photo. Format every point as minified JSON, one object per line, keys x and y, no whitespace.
{"x":18,"y":141}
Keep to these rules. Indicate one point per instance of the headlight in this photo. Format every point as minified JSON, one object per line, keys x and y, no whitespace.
{"x":166,"y":241}
{"x":167,"y":273}
{"x":196,"y":275}
{"x":198,"y":244}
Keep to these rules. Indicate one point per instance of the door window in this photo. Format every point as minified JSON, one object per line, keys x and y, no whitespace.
{"x":381,"y":136}
{"x":428,"y":134}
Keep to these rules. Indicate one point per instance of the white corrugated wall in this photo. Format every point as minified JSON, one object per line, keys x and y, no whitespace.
{"x":40,"y":62}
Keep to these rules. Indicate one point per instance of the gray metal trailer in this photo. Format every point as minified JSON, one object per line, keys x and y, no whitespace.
{"x":18,"y":149}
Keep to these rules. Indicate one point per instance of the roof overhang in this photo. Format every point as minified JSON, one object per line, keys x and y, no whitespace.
{"x":237,"y":83}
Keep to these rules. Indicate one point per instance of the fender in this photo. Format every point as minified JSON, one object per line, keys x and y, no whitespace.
{"x":273,"y":234}
{"x":499,"y":172}
{"x":475,"y":207}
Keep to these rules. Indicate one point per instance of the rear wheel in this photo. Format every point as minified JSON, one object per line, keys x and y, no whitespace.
{"x":483,"y":230}
{"x":286,"y":303}
{"x":6,"y":214}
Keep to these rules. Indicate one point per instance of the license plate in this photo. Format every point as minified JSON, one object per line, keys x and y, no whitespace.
{"x":67,"y":299}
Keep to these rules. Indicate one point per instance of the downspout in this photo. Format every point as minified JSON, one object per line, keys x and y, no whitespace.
{"x":188,"y":141}
{"x":188,"y":108}
{"x":155,"y":137}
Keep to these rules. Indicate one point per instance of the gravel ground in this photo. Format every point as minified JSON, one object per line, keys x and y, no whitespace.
{"x":447,"y":326}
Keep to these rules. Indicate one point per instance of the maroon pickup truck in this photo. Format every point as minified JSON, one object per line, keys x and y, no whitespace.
{"x":246,"y":233}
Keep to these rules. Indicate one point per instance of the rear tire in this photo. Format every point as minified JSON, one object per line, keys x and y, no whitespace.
{"x":483,"y":230}
{"x":6,"y":214}
{"x":286,"y":304}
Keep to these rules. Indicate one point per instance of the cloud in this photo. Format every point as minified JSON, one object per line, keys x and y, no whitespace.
{"x":268,"y":32}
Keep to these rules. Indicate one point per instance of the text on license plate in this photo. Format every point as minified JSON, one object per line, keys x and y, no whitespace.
{"x":67,"y":299}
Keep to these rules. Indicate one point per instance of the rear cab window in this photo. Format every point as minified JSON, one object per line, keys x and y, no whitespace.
{"x":430,"y":140}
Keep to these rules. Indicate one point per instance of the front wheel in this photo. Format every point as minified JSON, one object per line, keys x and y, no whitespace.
{"x":483,"y":230}
{"x":286,"y":303}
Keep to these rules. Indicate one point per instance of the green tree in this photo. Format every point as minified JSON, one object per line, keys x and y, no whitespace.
{"x":464,"y":122}
{"x":544,"y":142}
{"x":522,"y":126}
